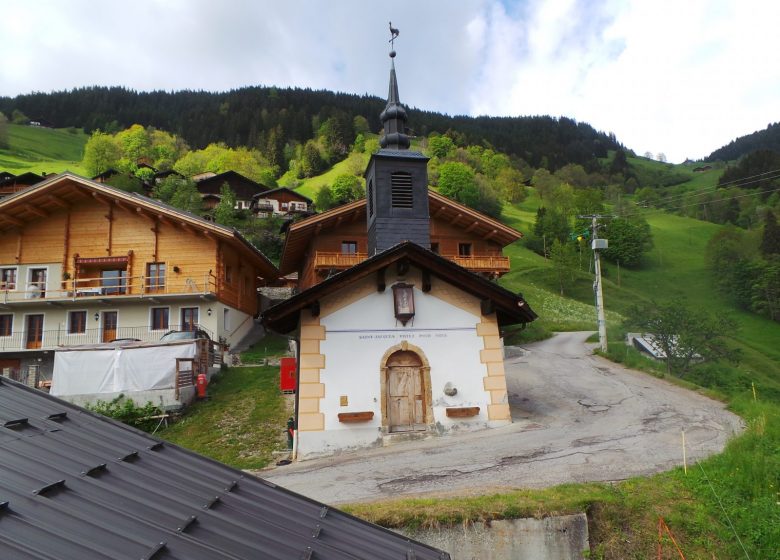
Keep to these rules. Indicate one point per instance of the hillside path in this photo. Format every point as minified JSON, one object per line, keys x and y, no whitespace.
{"x":577,"y":418}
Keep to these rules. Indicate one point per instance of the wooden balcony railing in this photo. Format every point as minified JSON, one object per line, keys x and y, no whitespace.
{"x":486,"y":263}
{"x":55,"y":338}
{"x":476,"y":263}
{"x":337,"y":260}
{"x":102,"y":287}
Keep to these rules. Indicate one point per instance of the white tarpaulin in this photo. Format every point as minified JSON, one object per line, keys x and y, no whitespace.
{"x":97,"y":369}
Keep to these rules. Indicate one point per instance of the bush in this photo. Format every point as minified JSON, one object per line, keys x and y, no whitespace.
{"x":126,"y":411}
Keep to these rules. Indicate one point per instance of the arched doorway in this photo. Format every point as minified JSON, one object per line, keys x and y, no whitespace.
{"x":406,"y":390}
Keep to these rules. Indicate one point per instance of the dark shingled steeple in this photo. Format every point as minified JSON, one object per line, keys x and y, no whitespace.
{"x":396,"y":183}
{"x":394,"y":116}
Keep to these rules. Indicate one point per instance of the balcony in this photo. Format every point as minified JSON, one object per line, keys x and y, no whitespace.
{"x":493,"y":264}
{"x":103,"y":288}
{"x":58,"y":338}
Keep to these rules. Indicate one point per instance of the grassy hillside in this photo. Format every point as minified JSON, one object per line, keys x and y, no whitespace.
{"x":43,"y":150}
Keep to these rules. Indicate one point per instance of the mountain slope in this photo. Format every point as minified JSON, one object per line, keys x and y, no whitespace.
{"x":767,"y":139}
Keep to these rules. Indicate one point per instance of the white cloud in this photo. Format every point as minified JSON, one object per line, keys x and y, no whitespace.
{"x":682,"y":78}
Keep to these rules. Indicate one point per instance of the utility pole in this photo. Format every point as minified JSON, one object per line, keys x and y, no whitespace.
{"x":597,"y":244}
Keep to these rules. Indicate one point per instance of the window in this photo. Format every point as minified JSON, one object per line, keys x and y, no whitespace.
{"x":160,"y":318}
{"x":189,"y":318}
{"x":348,"y":247}
{"x":228,"y":274}
{"x":6,"y":325}
{"x":155,"y":276}
{"x":435,"y":248}
{"x":464,"y":249}
{"x":226,"y":318}
{"x":77,"y":322}
{"x":370,"y":197}
{"x":401,"y":190}
{"x":7,"y":278}
{"x":113,"y":281}
{"x":37,"y":286}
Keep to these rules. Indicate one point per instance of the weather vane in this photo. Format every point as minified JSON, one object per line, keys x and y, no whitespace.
{"x":393,"y":35}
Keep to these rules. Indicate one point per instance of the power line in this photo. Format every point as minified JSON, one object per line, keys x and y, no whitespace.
{"x":660,"y":210}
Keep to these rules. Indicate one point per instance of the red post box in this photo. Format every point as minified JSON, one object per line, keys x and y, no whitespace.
{"x":201,"y":383}
{"x":287,"y":367}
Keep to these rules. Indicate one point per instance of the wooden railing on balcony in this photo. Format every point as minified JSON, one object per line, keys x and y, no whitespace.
{"x":102,"y":287}
{"x":476,"y":263}
{"x":337,"y":260}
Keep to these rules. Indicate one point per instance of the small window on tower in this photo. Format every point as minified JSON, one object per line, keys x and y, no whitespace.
{"x":401,"y":190}
{"x":370,"y":197}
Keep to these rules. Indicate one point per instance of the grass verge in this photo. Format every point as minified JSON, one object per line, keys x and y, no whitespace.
{"x":241,"y":424}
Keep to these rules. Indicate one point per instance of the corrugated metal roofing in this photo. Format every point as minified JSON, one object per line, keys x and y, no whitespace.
{"x":75,"y":485}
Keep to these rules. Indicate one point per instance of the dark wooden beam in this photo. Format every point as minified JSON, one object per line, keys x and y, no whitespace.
{"x":11,"y":220}
{"x":380,"y":280}
{"x":402,"y":266}
{"x":487,"y":306}
{"x":58,"y":202}
{"x":490,"y":235}
{"x":455,"y":218}
{"x":315,"y":309}
{"x":472,"y":227}
{"x":426,"y":281}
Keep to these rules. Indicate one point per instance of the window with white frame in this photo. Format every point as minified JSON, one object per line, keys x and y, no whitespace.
{"x":8,"y":278}
{"x":77,"y":322}
{"x":6,"y":324}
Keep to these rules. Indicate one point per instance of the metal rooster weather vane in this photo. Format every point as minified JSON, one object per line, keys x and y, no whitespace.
{"x":393,"y":35}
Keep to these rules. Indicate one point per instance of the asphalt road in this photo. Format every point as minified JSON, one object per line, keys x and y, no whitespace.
{"x":576,"y":418}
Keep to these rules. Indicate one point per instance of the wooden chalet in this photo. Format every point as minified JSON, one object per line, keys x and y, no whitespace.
{"x":10,"y":183}
{"x":82,"y":262}
{"x":333,"y":241}
{"x":243,"y":187}
{"x":280,"y":201}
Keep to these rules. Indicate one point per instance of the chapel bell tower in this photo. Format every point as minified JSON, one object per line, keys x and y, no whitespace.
{"x":396,"y":183}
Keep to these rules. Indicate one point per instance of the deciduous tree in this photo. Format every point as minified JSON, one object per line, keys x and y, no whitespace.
{"x":101,"y":153}
{"x":629,"y":239}
{"x":684,"y":334}
{"x":458,"y":181}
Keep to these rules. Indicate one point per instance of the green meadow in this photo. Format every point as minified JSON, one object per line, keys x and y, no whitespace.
{"x":43,"y":150}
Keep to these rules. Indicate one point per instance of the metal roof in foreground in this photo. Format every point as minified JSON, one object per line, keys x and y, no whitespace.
{"x":75,"y":485}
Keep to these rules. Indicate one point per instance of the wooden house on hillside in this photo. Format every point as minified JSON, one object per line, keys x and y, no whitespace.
{"x":82,"y":262}
{"x":244,"y":188}
{"x":14,"y":183}
{"x":322,"y":245}
{"x":280,"y":202}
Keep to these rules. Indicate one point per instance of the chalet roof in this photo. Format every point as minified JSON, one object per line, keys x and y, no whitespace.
{"x":61,"y":191}
{"x":107,"y":174}
{"x":243,"y":186}
{"x":75,"y":485}
{"x":300,"y":233}
{"x":27,"y":178}
{"x":509,"y":307}
{"x":279,"y":190}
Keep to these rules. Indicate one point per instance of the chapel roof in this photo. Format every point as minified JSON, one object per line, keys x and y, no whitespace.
{"x":510,"y":308}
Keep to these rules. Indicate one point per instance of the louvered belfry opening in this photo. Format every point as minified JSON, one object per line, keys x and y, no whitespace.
{"x":401,"y":190}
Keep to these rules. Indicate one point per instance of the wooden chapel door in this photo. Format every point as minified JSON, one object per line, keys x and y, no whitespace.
{"x":405,"y":393}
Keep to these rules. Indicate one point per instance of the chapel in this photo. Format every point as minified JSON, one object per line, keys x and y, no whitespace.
{"x":399,"y":340}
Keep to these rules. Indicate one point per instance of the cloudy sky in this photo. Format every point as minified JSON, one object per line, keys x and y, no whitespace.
{"x":680,"y":77}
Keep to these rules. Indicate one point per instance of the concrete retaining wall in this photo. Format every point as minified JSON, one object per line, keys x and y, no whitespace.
{"x":552,"y":538}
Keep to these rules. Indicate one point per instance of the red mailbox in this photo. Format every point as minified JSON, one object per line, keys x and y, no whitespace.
{"x":287,"y":369}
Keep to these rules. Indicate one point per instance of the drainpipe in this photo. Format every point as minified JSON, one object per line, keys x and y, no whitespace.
{"x":297,"y":393}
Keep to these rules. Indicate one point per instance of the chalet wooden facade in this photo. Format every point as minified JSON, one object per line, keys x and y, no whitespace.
{"x":10,"y":183}
{"x":243,"y":187}
{"x":280,"y":201}
{"x":322,"y":245}
{"x":82,"y":262}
